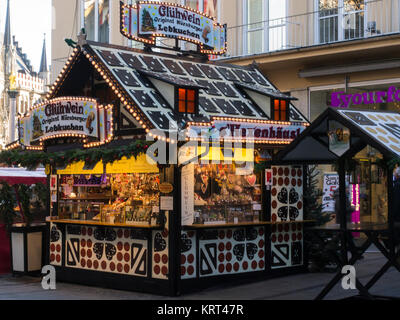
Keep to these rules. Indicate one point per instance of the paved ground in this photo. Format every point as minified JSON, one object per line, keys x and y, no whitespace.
{"x":296,"y":287}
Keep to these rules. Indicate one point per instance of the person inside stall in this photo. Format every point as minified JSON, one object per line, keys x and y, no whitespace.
{"x":205,"y":182}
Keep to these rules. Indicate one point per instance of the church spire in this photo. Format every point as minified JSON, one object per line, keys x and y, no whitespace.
{"x":43,"y":60}
{"x":7,"y":30}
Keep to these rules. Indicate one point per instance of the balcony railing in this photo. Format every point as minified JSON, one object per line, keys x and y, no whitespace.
{"x":368,"y":19}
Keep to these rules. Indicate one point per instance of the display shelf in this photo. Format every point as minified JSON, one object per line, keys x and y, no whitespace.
{"x":225,"y":225}
{"x":98,"y":223}
{"x":83,"y":199}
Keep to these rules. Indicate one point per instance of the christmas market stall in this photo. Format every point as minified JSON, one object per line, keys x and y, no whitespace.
{"x":158,"y":162}
{"x":364,"y":148}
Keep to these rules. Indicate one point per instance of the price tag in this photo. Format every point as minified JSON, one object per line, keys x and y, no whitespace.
{"x":167,"y":203}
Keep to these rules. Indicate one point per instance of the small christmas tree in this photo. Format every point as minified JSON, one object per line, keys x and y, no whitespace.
{"x":318,"y":256}
{"x":312,"y":207}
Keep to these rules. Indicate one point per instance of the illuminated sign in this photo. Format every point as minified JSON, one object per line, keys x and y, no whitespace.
{"x":259,"y":131}
{"x":148,"y":20}
{"x":344,"y":100}
{"x":66,"y":117}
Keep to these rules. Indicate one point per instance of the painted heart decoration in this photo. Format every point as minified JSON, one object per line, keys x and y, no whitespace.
{"x":293,"y":213}
{"x":110,"y":251}
{"x":251,"y":249}
{"x":238,"y":235}
{"x":159,"y":243}
{"x":98,"y":249}
{"x":238,"y":251}
{"x":186,"y":243}
{"x":283,"y":213}
{"x":251,"y":234}
{"x":54,"y":234}
{"x":110,"y":235}
{"x":283,"y":196}
{"x":99,"y":234}
{"x":293,"y":196}
{"x":251,"y":179}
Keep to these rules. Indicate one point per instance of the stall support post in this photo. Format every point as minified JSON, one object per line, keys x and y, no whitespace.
{"x":172,"y":175}
{"x":342,"y":211}
{"x":390,"y":211}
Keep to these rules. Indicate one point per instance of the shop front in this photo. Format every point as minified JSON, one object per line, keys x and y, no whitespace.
{"x":363,"y":149}
{"x":160,"y":169}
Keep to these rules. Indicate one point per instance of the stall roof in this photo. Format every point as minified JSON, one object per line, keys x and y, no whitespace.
{"x":217,"y":81}
{"x":379,"y":129}
{"x":22,"y":176}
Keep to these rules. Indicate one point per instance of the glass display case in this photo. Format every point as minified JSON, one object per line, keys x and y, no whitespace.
{"x":225,"y":193}
{"x":130,"y":198}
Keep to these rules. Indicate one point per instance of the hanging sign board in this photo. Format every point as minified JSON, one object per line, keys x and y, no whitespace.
{"x":238,"y":130}
{"x":339,"y":138}
{"x":65,"y":117}
{"x":148,"y":20}
{"x":331,"y":183}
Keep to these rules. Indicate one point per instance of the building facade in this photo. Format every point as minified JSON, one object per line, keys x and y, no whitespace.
{"x":308,"y":48}
{"x":327,"y":53}
{"x":20,"y":85}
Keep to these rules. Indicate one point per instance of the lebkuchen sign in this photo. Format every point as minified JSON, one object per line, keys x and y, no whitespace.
{"x":65,"y":117}
{"x":147,"y":20}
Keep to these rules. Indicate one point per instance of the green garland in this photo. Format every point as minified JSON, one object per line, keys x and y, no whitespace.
{"x":32,"y":159}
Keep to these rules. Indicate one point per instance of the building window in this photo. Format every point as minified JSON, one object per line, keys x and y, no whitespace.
{"x":187,"y":100}
{"x":280,"y":111}
{"x":209,"y":7}
{"x":340,"y":20}
{"x":265,"y":25}
{"x":96,"y":19}
{"x":104,"y":19}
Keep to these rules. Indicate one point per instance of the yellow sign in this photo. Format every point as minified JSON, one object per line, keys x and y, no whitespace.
{"x":142,"y":164}
{"x":78,"y":168}
{"x":47,"y":169}
{"x":166,"y":187}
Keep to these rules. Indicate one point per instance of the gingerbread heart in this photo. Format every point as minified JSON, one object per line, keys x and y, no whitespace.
{"x":251,"y":179}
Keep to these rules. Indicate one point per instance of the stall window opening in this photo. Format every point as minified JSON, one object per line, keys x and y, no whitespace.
{"x":280,"y":111}
{"x":187,"y":100}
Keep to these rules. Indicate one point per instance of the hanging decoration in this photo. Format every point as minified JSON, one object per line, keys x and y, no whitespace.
{"x":32,"y":160}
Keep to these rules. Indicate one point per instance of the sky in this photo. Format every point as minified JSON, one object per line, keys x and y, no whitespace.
{"x":30,"y":19}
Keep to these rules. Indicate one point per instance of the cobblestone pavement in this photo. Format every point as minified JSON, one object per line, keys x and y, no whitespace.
{"x":295,"y":287}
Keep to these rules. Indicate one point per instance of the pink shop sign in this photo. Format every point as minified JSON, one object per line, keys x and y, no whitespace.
{"x":344,"y":100}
